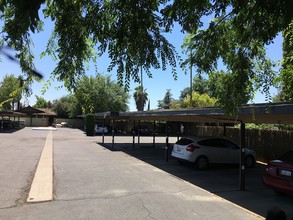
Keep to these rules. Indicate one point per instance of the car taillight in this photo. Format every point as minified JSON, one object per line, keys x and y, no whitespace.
{"x":271,"y":170}
{"x":191,"y":148}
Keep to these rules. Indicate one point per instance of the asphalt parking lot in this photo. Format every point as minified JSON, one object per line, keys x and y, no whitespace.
{"x":219,"y":180}
{"x":94,"y":181}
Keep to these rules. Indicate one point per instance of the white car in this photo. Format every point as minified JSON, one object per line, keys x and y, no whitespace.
{"x":210,"y":150}
{"x":100,"y":129}
{"x":64,"y":124}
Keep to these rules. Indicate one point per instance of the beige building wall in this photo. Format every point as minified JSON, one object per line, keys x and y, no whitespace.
{"x":40,"y":122}
{"x":34,"y":122}
{"x":43,"y":121}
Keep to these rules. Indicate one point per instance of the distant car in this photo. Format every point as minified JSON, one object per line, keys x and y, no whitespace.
{"x":100,"y":129}
{"x":210,"y":150}
{"x":64,"y":124}
{"x":142,"y":130}
{"x":279,"y":174}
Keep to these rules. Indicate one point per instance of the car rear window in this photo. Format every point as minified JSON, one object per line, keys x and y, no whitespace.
{"x":287,"y":157}
{"x":218,"y":142}
{"x":184,"y":141}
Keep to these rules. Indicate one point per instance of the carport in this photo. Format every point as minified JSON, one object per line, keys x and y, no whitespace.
{"x":269,"y":113}
{"x":9,"y":114}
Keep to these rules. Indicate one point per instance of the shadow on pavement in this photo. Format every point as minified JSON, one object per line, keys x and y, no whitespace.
{"x":9,"y":130}
{"x":219,"y":180}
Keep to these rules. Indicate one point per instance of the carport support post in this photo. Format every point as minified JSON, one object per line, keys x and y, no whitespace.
{"x":113,"y":132}
{"x":103,"y":137}
{"x":242,"y":156}
{"x":138,"y":132}
{"x":133,"y":135}
{"x":154,"y":134}
{"x":167,"y":143}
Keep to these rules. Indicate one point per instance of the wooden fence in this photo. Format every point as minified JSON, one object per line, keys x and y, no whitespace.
{"x":268,"y":144}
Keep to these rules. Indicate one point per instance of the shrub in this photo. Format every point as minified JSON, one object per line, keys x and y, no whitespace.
{"x":90,"y":124}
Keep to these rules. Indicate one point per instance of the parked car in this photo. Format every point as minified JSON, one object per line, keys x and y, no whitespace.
{"x":64,"y":124}
{"x":142,"y":130}
{"x":210,"y":150}
{"x":279,"y":174}
{"x":100,"y":129}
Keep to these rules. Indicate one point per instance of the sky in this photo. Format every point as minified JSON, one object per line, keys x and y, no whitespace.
{"x":156,"y":87}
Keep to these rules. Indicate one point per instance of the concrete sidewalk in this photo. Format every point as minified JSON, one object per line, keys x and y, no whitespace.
{"x":94,"y":182}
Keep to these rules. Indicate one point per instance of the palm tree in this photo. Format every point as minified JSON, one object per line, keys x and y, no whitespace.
{"x":140,"y":98}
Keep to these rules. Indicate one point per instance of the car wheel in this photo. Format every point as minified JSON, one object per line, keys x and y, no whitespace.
{"x":249,"y":161}
{"x":202,"y":163}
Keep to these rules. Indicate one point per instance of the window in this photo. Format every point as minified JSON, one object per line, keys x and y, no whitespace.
{"x":210,"y":142}
{"x":184,"y":141}
{"x":218,"y":142}
{"x":228,"y":144}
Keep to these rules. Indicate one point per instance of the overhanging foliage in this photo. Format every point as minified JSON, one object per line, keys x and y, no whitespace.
{"x":132,"y":33}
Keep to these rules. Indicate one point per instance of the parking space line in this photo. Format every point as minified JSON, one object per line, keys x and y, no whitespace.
{"x":42,"y":185}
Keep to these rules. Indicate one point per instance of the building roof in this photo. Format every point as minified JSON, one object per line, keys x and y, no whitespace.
{"x":10,"y":113}
{"x":29,"y":110}
{"x":46,"y":111}
{"x":37,"y":111}
{"x":269,"y":113}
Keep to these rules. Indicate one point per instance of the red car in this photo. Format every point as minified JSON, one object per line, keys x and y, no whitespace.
{"x":279,"y":174}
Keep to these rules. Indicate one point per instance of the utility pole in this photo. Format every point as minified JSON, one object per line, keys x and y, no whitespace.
{"x":141,"y":85}
{"x":190,"y":78}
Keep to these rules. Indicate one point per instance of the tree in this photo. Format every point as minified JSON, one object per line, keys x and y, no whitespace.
{"x":222,"y":88}
{"x":167,"y":100}
{"x":50,"y":105}
{"x":228,"y":38}
{"x":10,"y":92}
{"x":184,"y":93}
{"x":278,"y":97}
{"x":41,"y":102}
{"x":140,"y":98}
{"x":198,"y":100}
{"x":218,"y":88}
{"x":248,"y":67}
{"x":199,"y":84}
{"x":175,"y":104}
{"x":67,"y":107}
{"x":286,"y":77}
{"x":132,"y":33}
{"x":100,"y":94}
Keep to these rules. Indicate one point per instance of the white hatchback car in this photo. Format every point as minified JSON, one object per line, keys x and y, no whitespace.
{"x":210,"y":150}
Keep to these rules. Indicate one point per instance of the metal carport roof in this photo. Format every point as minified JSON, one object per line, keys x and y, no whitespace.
{"x":10,"y":113}
{"x":269,"y":113}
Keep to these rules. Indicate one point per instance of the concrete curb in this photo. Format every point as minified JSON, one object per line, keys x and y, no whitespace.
{"x":42,"y":185}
